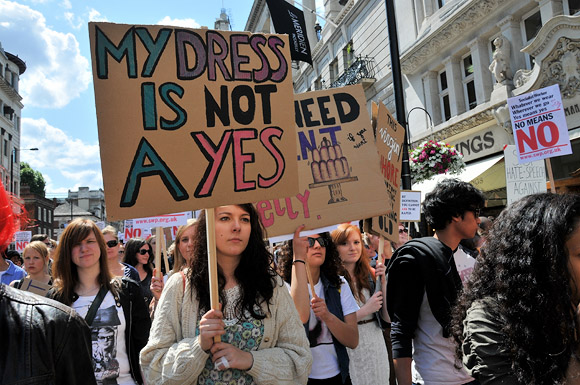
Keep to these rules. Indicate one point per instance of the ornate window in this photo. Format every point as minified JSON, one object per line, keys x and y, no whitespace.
{"x":444,"y":96}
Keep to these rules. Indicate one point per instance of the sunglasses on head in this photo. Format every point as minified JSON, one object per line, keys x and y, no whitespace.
{"x":321,"y":241}
{"x":112,"y":243}
{"x":144,"y":251}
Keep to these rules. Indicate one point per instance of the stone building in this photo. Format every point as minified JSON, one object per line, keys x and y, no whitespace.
{"x":461,"y":60}
{"x":11,"y":68}
{"x":40,"y":212}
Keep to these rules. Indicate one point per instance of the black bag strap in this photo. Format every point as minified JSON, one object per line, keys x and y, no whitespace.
{"x":95,"y":305}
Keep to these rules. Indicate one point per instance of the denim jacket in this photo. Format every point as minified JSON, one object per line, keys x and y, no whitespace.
{"x":334,"y":305}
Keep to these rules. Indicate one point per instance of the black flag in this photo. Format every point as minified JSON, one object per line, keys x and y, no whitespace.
{"x":289,"y":20}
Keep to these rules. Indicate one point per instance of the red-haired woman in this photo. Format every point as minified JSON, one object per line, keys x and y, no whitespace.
{"x":369,"y":361}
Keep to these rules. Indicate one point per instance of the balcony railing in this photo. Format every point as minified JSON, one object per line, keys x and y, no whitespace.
{"x":362,"y":68}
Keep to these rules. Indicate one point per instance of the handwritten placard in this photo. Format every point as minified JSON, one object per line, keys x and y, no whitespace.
{"x":338,"y":165}
{"x":522,"y":179}
{"x":190,"y":119}
{"x":389,"y":142}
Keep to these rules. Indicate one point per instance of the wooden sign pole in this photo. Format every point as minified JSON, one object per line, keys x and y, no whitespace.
{"x":309,"y":277}
{"x":550,"y":175}
{"x":158,"y":233}
{"x":380,"y":260}
{"x":164,"y":252}
{"x":212,"y":262}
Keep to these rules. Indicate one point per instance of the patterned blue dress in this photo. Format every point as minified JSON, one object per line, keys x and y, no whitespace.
{"x":245,"y":335}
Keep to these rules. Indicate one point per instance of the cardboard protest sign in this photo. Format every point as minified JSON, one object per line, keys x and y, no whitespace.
{"x":338,"y":165}
{"x":21,"y":240}
{"x":35,"y":287}
{"x":389,"y":142}
{"x":190,"y":119}
{"x":522,"y":179}
{"x":539,"y":124}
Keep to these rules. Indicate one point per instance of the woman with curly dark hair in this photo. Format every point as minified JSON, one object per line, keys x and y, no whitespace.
{"x":516,"y":322}
{"x":262,"y":339}
{"x":330,"y":317}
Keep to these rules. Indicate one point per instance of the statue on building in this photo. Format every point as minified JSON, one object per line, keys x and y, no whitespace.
{"x":500,"y":65}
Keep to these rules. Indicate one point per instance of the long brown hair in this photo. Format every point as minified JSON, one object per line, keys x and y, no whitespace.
{"x":65,"y":271}
{"x":362,"y":268}
{"x":179,"y":261}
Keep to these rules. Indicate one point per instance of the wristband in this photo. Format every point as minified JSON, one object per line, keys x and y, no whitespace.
{"x":298,"y":260}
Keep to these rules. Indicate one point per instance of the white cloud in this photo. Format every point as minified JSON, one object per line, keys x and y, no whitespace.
{"x":74,"y":21}
{"x":95,"y":15}
{"x":57,"y":72}
{"x":186,"y":23}
{"x":63,"y":160}
{"x":66,"y":4}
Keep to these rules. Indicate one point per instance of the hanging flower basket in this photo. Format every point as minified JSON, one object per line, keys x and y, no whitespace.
{"x":432,"y":158}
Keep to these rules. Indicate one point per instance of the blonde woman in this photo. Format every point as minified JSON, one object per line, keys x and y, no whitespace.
{"x":35,"y":257}
{"x":182,"y":254}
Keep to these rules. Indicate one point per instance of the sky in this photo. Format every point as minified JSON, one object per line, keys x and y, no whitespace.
{"x":52,"y":38}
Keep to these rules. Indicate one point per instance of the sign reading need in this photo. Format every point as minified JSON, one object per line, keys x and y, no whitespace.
{"x":190,"y":119}
{"x":539,"y":124}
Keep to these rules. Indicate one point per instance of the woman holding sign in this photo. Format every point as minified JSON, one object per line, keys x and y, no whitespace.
{"x":35,"y":256}
{"x":329,"y":316}
{"x":368,"y":362}
{"x":113,"y":307}
{"x":262,"y":339}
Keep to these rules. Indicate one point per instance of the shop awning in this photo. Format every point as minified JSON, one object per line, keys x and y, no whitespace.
{"x":486,"y":175}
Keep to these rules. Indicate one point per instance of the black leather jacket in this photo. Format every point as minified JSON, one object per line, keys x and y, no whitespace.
{"x":42,"y":341}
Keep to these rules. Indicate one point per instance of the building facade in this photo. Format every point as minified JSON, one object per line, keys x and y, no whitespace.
{"x":40,"y":211}
{"x":11,"y":68}
{"x":461,"y":60}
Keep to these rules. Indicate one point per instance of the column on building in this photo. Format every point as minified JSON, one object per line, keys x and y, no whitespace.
{"x":432,"y":101}
{"x":482,"y":77}
{"x":331,"y":9}
{"x":550,"y":8}
{"x":510,"y":28}
{"x":455,"y":85}
{"x":310,"y":20}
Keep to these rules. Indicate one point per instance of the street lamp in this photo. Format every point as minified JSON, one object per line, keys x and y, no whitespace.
{"x":12,"y":160}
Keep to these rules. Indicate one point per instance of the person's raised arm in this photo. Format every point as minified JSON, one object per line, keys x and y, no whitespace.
{"x":299,"y":283}
{"x":346,"y":332}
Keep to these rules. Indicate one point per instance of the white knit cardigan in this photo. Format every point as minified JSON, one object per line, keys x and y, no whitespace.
{"x":174,"y":356}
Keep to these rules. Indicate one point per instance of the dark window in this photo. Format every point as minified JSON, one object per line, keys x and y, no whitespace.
{"x":446,"y":108}
{"x":443,"y":79}
{"x":441,"y":3}
{"x":471,"y":99}
{"x":467,"y":66}
{"x":532,"y":25}
{"x":574,"y":6}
